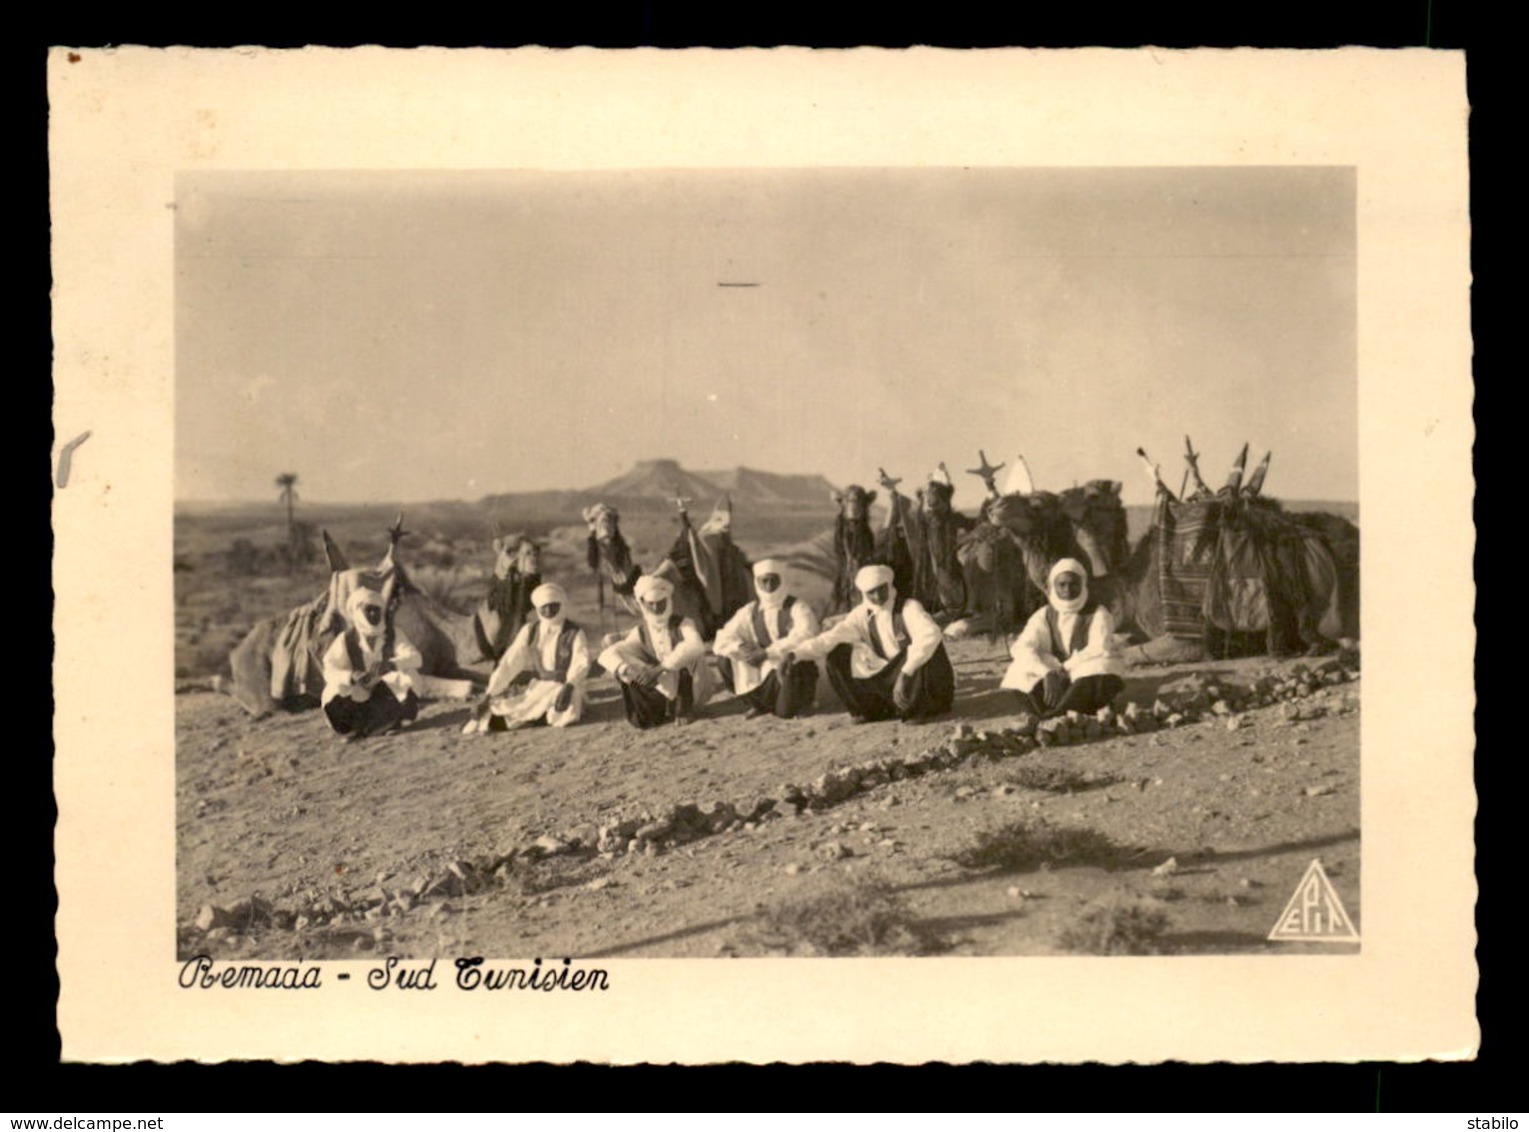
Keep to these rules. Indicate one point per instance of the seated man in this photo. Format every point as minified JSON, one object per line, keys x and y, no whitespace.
{"x":661,"y":664}
{"x":887,"y":657}
{"x":369,"y":672}
{"x":755,"y":647}
{"x":1066,"y":658}
{"x":552,"y":650}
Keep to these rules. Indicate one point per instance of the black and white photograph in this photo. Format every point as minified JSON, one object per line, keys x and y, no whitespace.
{"x":816,"y":558}
{"x":1009,"y":517}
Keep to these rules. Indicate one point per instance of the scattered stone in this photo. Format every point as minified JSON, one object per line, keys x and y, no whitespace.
{"x":1233,"y":722}
{"x":1220,"y":707}
{"x":208,"y":917}
{"x":1167,"y":868}
{"x":1015,"y":893}
{"x":654,"y":830}
{"x":835,"y":851}
{"x":600,"y":882}
{"x":1317,"y":791}
{"x":793,"y":869}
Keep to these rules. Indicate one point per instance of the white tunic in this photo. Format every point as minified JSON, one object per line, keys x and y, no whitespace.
{"x":537,"y":701}
{"x":1033,"y":656}
{"x":855,"y":630}
{"x":688,"y":652}
{"x":737,"y":637}
{"x":342,"y":679}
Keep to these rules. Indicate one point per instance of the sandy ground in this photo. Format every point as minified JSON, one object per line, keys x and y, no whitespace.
{"x":335,"y":847}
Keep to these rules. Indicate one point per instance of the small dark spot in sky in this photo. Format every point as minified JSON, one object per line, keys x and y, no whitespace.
{"x":73,"y":58}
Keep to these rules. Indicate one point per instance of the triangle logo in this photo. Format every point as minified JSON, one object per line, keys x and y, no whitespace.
{"x":1314,"y":914}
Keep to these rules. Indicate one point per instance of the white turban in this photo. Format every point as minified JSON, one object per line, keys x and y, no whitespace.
{"x":1067,"y":566}
{"x":358,"y":601}
{"x":547,"y":593}
{"x":652,"y":588}
{"x":777,"y":596}
{"x":870,"y":577}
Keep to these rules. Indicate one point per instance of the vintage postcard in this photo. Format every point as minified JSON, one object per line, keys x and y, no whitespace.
{"x":609,"y":544}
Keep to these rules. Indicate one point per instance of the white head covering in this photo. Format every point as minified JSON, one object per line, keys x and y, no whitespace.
{"x":869,"y":577}
{"x":546,"y":594}
{"x":777,"y":596}
{"x":1067,"y":566}
{"x":651,"y":588}
{"x":359,"y":599}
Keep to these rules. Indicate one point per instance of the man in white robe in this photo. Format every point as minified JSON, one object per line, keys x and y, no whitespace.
{"x":756,"y":643}
{"x":887,"y":658}
{"x":370,"y":672}
{"x":661,"y":664}
{"x":1066,"y":658}
{"x":554,"y":652}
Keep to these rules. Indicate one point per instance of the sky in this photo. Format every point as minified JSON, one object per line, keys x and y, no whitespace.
{"x":411,"y":336}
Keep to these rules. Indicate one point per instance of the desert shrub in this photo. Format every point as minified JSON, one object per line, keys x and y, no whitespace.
{"x":243,"y":558}
{"x":1119,"y":926}
{"x":454,"y":587}
{"x":845,"y":914}
{"x":1057,"y":779}
{"x":1029,"y":845}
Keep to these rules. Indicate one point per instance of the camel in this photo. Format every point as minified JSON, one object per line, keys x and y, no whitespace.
{"x":279,"y":663}
{"x":1006,"y":556}
{"x":854,"y":545}
{"x":922,"y":537}
{"x":710,"y":574}
{"x":1228,"y":571}
{"x":517,"y":571}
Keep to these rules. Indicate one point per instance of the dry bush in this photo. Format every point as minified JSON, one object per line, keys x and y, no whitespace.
{"x":1057,"y":779}
{"x":1120,"y":926}
{"x":456,"y":587}
{"x":1023,"y":845}
{"x":845,"y":914}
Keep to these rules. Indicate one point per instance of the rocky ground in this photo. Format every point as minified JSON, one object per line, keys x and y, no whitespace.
{"x":1181,"y":826}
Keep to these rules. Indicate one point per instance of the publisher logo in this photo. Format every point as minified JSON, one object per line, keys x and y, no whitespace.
{"x":1314,"y":913}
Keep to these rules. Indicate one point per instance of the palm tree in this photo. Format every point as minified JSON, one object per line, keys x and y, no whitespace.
{"x":287,"y":481}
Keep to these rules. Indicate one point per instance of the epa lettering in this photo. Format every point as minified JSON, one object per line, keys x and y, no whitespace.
{"x":394,"y":974}
{"x":1314,"y":912}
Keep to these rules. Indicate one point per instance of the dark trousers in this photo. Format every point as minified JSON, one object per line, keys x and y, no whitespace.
{"x":367,"y":717}
{"x":787,"y":692}
{"x":1085,"y":696}
{"x":932,"y":688}
{"x":648,"y":707}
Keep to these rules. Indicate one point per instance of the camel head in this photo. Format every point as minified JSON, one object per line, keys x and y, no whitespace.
{"x":937,"y":496}
{"x":1098,"y":523}
{"x":1018,"y":512}
{"x":854,"y":503}
{"x":721,"y":520}
{"x":604,"y":522}
{"x":516,"y":554}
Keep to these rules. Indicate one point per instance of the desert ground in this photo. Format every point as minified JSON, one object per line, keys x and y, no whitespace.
{"x":1183,"y":829}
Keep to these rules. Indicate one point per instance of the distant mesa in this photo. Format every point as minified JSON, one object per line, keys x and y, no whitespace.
{"x":664,"y":478}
